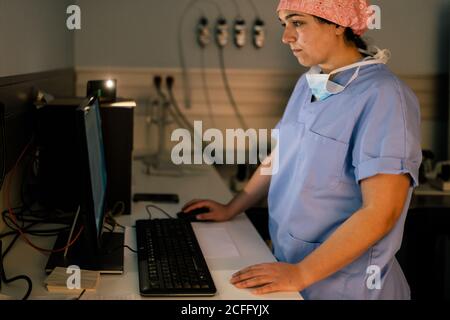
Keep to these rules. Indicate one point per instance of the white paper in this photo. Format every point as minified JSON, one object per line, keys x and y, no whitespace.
{"x":216,"y":243}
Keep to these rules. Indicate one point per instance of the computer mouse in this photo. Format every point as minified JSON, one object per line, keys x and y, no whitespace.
{"x":192,"y":215}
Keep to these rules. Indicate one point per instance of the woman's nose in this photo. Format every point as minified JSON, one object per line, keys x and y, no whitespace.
{"x":289,"y":35}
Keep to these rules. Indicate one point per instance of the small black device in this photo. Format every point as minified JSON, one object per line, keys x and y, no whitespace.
{"x":170,"y":261}
{"x":105,"y":90}
{"x":156,"y":197}
{"x":445,"y":174}
{"x":192,"y":215}
{"x":94,"y":249}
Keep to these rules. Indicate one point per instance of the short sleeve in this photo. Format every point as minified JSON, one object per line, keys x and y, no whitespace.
{"x":387,"y":135}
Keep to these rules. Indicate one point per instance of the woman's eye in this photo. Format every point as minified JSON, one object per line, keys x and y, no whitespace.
{"x":283,"y":25}
{"x":298,"y":23}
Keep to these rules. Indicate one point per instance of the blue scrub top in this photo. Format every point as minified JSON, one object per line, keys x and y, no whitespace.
{"x":325,"y":149}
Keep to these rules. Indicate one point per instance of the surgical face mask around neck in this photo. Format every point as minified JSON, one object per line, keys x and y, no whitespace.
{"x":322,"y":87}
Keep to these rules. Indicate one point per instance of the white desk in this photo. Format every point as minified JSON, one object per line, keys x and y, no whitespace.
{"x":203,"y":183}
{"x":428,"y":190}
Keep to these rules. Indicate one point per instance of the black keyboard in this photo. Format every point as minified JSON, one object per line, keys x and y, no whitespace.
{"x":170,"y":260}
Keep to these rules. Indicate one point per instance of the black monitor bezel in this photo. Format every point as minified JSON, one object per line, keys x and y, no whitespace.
{"x":87,"y":210}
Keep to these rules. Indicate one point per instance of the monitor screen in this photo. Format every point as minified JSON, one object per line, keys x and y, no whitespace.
{"x":97,"y":167}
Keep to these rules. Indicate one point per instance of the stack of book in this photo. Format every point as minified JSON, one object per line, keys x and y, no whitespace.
{"x":59,"y":281}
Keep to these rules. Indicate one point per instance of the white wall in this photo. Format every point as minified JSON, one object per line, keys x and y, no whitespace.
{"x":34,"y":37}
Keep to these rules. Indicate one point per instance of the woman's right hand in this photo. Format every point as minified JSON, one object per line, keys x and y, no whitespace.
{"x":217,"y":211}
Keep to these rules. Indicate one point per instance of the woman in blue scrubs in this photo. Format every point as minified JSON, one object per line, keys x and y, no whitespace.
{"x":348,"y":159}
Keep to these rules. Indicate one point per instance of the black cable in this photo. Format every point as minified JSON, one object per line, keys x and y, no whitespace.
{"x":108,"y":229}
{"x":184,"y":122}
{"x":49,"y":218}
{"x":158,"y":208}
{"x":173,"y":101}
{"x":205,"y":87}
{"x":47,"y":233}
{"x":9,"y":222}
{"x":238,"y":9}
{"x":20,"y":277}
{"x":121,"y":247}
{"x":119,"y":212}
{"x":149,"y":213}
{"x":27,"y":169}
{"x":7,"y":234}
{"x":129,"y":248}
{"x":10,"y":245}
{"x":39,"y":232}
{"x":184,"y":70}
{"x":255,"y":9}
{"x":228,"y":89}
{"x":81,"y":294}
{"x":25,"y":229}
{"x":112,"y":221}
{"x":3,"y":142}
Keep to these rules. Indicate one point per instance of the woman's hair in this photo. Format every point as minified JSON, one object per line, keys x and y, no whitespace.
{"x":349,"y":35}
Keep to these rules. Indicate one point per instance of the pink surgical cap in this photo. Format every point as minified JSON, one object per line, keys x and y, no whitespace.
{"x":346,"y":13}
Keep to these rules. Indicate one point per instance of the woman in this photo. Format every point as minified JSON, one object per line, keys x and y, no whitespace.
{"x":349,"y":154}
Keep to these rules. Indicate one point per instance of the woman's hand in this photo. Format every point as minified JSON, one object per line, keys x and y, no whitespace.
{"x":217,"y":211}
{"x":269,"y":277}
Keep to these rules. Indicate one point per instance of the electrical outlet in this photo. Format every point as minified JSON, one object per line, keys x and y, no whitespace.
{"x":222,"y":32}
{"x":259,"y":33}
{"x":203,"y":34}
{"x":240,"y":29}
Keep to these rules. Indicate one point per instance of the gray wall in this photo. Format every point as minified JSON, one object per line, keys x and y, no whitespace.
{"x":34,"y":37}
{"x":143,"y":33}
{"x":416,"y":31}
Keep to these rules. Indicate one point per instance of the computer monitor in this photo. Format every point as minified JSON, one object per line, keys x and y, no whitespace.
{"x":94,"y":250}
{"x":93,"y":167}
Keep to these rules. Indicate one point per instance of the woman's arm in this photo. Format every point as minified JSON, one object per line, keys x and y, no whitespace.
{"x":384,"y":198}
{"x":253,"y":192}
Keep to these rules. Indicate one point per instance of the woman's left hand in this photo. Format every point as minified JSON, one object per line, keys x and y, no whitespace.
{"x":269,"y":277}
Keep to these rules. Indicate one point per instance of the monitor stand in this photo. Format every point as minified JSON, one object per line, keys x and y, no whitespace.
{"x":108,"y":259}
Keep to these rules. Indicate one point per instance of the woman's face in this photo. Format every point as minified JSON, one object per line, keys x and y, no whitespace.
{"x":311,"y":41}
